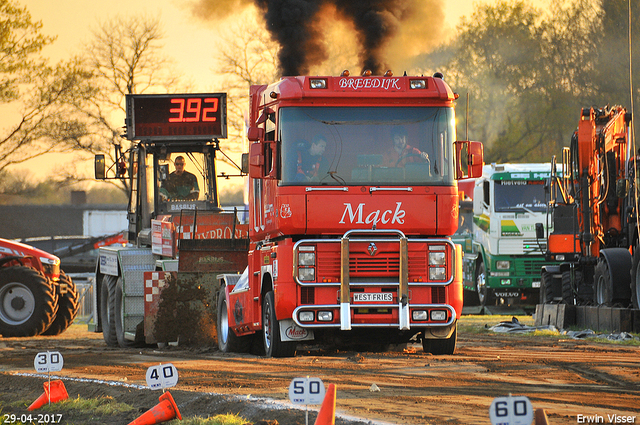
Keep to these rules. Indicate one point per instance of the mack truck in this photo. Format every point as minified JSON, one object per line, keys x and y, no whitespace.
{"x":355,"y":248}
{"x":36,"y":296}
{"x":502,"y":256}
{"x":595,"y":217}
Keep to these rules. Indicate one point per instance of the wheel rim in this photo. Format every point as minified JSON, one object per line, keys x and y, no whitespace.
{"x":224,"y":323}
{"x":17,"y":303}
{"x":482,"y":286}
{"x":267,"y":326}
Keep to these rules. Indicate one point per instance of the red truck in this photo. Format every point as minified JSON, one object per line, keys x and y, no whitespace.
{"x":352,"y":195}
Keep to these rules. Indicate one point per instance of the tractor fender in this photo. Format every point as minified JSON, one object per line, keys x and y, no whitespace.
{"x":619,"y":261}
{"x":5,"y":260}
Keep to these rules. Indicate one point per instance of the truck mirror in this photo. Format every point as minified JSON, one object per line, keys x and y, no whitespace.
{"x":244,"y":164}
{"x":99,"y":167}
{"x":256,"y":161}
{"x":478,"y":196}
{"x":255,"y":134}
{"x":539,"y":231}
{"x":475,"y":158}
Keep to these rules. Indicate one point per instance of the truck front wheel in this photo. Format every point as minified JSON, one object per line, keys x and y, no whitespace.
{"x":273,"y":345}
{"x":228,"y":341}
{"x":27,"y":302}
{"x":484,"y":294}
{"x":439,"y":347}
{"x":67,"y":306}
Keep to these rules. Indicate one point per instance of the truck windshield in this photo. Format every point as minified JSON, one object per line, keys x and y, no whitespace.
{"x":520,"y":195}
{"x":366,"y":145}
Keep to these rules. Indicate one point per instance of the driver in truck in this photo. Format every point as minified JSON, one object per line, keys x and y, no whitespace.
{"x":401,"y":153}
{"x":181,"y":184}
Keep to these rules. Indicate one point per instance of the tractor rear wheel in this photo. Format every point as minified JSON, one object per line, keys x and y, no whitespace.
{"x":27,"y":302}
{"x":67,"y":306}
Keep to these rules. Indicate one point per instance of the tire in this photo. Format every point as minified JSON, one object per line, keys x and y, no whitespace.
{"x":228,"y":341}
{"x":569,"y":294}
{"x":273,"y":346}
{"x":602,"y":285}
{"x":108,"y":310}
{"x":67,"y":306}
{"x":439,"y":347}
{"x":635,"y":278}
{"x":27,"y":302}
{"x":119,"y":316}
{"x":484,"y":296}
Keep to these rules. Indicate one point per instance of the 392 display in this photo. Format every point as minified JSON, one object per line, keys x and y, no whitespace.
{"x":176,"y":116}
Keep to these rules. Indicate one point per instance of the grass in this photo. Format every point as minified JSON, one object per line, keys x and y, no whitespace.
{"x":101,"y":407}
{"x":476,"y":324}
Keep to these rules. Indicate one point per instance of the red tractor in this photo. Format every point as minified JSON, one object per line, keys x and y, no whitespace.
{"x":36,"y":297}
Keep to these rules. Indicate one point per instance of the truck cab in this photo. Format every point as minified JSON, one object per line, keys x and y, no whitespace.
{"x":502,"y":255}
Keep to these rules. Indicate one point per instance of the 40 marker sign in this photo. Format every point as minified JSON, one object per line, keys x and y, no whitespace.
{"x":162,"y":376}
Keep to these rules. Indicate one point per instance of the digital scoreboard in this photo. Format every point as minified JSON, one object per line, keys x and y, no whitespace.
{"x":201,"y":116}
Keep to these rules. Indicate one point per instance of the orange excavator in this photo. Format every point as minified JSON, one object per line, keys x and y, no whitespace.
{"x":595,"y":228}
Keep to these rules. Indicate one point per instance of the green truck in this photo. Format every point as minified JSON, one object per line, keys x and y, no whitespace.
{"x":502,"y":257}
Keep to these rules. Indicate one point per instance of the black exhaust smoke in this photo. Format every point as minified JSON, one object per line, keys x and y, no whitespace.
{"x":294,"y":25}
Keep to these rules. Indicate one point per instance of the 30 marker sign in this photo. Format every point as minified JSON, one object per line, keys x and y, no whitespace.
{"x":50,"y":361}
{"x":162,"y":376}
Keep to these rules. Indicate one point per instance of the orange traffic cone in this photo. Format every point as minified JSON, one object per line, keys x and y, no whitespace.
{"x":54,"y":391}
{"x":163,"y":411}
{"x":541,"y":417}
{"x":327,"y":414}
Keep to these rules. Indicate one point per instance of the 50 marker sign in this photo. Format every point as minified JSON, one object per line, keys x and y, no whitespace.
{"x":162,"y":376}
{"x":306,"y":391}
{"x":50,"y":361}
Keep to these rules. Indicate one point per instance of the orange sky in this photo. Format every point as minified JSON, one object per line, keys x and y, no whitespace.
{"x":188,"y":41}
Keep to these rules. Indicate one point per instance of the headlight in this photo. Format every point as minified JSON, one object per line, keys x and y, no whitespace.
{"x":325,"y":316}
{"x":419,"y":315}
{"x":306,"y":273}
{"x":437,"y":258}
{"x":307,"y":258}
{"x":502,"y":265}
{"x":438,"y":315}
{"x":306,"y":316}
{"x":437,"y":273}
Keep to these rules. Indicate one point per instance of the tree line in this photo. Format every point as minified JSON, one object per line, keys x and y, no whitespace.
{"x":527,"y":72}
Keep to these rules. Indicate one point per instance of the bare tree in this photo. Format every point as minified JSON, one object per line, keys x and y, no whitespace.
{"x":124,"y":58}
{"x":37,"y":92}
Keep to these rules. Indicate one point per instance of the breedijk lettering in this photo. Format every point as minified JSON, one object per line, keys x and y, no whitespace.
{"x":357,"y":83}
{"x":374,"y":217}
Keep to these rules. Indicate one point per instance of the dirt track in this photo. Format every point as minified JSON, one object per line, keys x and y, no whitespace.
{"x":566,"y":377}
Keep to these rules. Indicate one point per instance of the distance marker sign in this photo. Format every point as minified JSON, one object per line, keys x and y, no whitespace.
{"x":50,"y":361}
{"x":162,"y":376}
{"x":511,"y":411}
{"x":306,"y":391}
